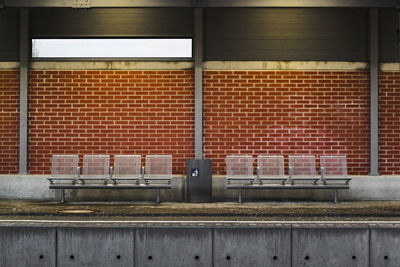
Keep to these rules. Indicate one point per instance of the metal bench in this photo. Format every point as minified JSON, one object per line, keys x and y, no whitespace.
{"x":98,"y":175}
{"x":302,"y":174}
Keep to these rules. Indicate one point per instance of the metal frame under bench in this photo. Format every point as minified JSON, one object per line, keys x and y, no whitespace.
{"x":62,"y":188}
{"x":335,"y":188}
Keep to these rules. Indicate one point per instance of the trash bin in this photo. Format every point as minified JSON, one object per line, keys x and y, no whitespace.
{"x":199,"y":180}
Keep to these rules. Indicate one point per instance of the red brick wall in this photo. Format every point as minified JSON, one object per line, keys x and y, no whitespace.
{"x":9,"y":122}
{"x":248,"y":112}
{"x":110,"y":112}
{"x":287,"y":113}
{"x":389,"y":124}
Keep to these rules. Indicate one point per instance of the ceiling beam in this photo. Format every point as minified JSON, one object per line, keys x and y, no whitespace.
{"x":201,"y":3}
{"x":304,"y":3}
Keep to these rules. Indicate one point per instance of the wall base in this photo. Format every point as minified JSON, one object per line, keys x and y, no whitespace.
{"x":36,"y":187}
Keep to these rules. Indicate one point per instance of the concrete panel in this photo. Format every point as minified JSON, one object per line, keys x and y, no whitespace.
{"x":331,"y":247}
{"x":252,"y":247}
{"x":385,"y":247}
{"x":26,"y":187}
{"x":95,"y":247}
{"x":173,"y":247}
{"x":9,"y":65}
{"x":111,"y":65}
{"x":285,"y":65}
{"x":372,"y":188}
{"x":207,"y":65}
{"x":392,"y":66}
{"x":27,"y":246}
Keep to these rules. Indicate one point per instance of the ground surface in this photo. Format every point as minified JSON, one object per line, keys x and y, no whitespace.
{"x":251,"y":211}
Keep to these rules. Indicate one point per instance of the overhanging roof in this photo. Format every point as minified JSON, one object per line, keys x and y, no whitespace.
{"x":200,"y":3}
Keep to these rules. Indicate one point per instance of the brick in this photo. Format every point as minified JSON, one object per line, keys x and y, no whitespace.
{"x":9,"y":121}
{"x":108,"y":118}
{"x":389,"y":125}
{"x":293,"y":119}
{"x":150,"y":112}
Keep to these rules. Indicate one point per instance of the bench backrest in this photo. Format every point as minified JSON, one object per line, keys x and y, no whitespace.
{"x":302,"y":166}
{"x":271,"y":166}
{"x":96,"y":166}
{"x":158,"y":166}
{"x":64,"y":166}
{"x":334,"y":166}
{"x":127,"y":166}
{"x":239,"y":167}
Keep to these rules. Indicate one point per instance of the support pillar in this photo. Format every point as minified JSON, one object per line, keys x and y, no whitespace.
{"x":374,"y":76}
{"x":198,"y":83}
{"x":23,"y":90}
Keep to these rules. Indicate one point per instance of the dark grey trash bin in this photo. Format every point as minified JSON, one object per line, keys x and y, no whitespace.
{"x":199,"y":180}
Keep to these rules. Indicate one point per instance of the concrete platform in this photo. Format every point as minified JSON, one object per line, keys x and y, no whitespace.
{"x":351,"y":211}
{"x":351,"y":233}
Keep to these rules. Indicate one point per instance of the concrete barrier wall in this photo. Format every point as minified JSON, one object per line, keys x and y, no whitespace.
{"x":314,"y":246}
{"x":385,"y":244}
{"x":95,"y":247}
{"x":27,"y":246}
{"x":36,"y":187}
{"x":179,"y":247}
{"x":252,"y":246}
{"x":283,"y":245}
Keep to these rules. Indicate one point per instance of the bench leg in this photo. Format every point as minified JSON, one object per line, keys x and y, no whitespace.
{"x":240,"y":195}
{"x":62,"y":191}
{"x":158,"y":195}
{"x":335,"y":196}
